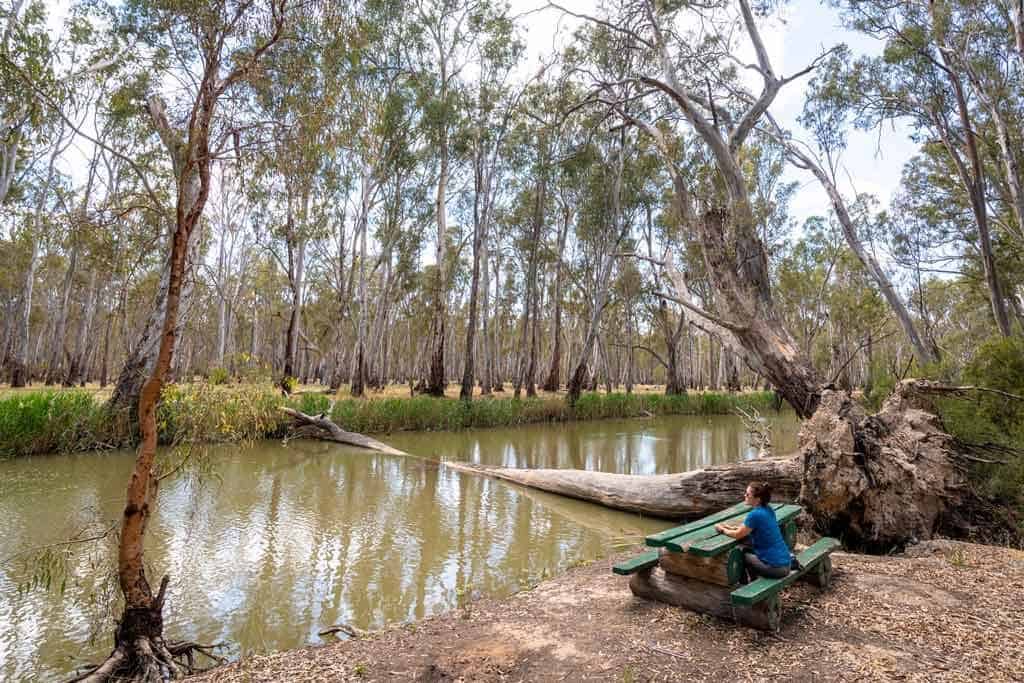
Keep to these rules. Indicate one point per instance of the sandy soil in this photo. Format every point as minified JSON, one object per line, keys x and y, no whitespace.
{"x":945,"y":612}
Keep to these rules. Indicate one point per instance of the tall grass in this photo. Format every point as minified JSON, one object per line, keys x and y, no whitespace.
{"x":71,"y":420}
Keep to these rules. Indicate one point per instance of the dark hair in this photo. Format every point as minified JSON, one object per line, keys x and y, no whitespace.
{"x":762,"y":491}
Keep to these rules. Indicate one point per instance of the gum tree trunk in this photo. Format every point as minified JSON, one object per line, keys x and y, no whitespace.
{"x":553,"y":380}
{"x":77,"y":368}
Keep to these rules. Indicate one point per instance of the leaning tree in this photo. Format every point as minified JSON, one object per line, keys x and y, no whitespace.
{"x":224,"y":42}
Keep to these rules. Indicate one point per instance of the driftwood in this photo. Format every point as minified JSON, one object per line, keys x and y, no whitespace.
{"x":672,"y":496}
{"x":327,"y":430}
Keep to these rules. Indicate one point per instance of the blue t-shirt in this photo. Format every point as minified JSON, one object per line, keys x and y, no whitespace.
{"x":769,"y":546}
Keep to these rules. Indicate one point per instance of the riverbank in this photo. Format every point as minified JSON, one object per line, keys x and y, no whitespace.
{"x":34,"y":422}
{"x":945,"y":611}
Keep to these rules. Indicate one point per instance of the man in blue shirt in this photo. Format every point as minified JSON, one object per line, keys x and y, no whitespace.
{"x":768,"y":555}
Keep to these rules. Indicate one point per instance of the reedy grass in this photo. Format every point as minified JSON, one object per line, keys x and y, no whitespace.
{"x":65,"y":421}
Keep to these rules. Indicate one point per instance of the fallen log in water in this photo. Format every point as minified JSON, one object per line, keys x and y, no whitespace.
{"x":328,"y":431}
{"x":672,"y":496}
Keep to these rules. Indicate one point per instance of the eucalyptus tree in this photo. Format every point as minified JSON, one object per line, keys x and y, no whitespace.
{"x":34,"y":230}
{"x":494,"y":101}
{"x":32,"y":140}
{"x":692,"y":70}
{"x":722,"y":114}
{"x":527,"y":217}
{"x":920,"y":79}
{"x":232,"y":225}
{"x":298,"y":94}
{"x":26,"y":52}
{"x":605,"y":222}
{"x":223,"y":44}
{"x":378,"y":138}
{"x":446,"y":36}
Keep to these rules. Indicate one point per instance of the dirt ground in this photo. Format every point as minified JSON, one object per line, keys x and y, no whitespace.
{"x":946,"y":611}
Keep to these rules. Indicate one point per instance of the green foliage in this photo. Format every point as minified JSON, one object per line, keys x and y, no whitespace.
{"x":201,"y":413}
{"x":999,"y":364}
{"x":289,"y":384}
{"x":34,"y":423}
{"x":423,"y":413}
{"x":988,"y":418}
{"x":56,"y":422}
{"x":218,"y":376}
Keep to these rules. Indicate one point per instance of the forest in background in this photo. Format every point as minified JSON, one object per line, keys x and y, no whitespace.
{"x":390,"y":190}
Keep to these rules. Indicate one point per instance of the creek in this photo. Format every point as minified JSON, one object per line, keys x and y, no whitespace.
{"x":274,"y":542}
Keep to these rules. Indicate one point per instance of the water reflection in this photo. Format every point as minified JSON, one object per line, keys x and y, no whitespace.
{"x":654,"y":446}
{"x":290,"y":540}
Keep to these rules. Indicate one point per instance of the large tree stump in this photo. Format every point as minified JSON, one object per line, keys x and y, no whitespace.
{"x":698,"y":596}
{"x":877,"y":481}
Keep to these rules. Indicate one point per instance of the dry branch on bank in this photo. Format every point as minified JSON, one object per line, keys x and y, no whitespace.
{"x":327,"y":430}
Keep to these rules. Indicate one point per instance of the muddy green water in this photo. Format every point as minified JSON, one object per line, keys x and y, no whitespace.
{"x":283,"y":541}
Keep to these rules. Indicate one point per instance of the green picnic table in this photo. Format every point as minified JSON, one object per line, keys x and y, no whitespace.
{"x":694,"y":566}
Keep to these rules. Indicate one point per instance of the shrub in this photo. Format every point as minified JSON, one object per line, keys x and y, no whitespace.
{"x":289,"y":384}
{"x":72,"y":420}
{"x":55,"y":421}
{"x":218,"y":376}
{"x":988,"y":418}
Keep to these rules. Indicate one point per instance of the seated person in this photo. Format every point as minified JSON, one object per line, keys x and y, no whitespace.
{"x":769,"y":555}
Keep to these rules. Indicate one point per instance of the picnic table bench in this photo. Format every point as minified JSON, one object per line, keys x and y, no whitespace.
{"x":696,"y":567}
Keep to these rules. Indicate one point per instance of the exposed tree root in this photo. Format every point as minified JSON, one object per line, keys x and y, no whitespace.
{"x":884,"y":480}
{"x":150,"y":660}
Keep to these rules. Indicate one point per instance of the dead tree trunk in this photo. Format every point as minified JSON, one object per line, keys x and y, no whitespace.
{"x":324,"y":428}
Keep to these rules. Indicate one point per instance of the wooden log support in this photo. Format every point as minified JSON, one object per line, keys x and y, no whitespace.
{"x":820,"y":575}
{"x":725,"y":569}
{"x":673,"y":496}
{"x":698,"y":596}
{"x":789,"y":533}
